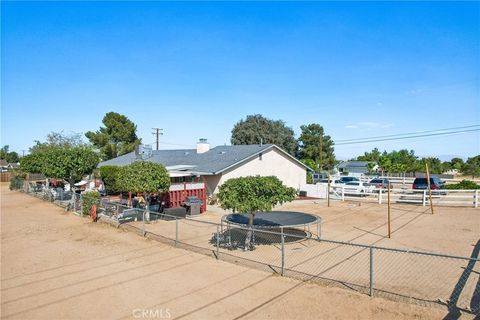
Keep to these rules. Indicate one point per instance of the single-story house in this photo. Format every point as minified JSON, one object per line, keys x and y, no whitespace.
{"x":215,"y":165}
{"x":356,"y":167}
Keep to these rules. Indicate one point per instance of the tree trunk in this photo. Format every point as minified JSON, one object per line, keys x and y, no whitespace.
{"x":248,"y":238}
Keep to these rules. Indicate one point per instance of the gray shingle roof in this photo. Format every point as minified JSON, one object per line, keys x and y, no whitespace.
{"x":213,"y":161}
{"x":353,"y":164}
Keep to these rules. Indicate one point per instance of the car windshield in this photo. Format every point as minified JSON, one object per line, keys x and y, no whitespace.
{"x":353,"y":184}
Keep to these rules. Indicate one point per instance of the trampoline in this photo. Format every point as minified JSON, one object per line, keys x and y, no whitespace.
{"x":271,"y":225}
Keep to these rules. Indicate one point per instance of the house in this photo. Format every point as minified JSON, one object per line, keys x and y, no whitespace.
{"x":356,"y":167}
{"x":213,"y":166}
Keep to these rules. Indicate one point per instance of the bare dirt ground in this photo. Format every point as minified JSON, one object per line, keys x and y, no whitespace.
{"x":398,"y":276}
{"x":56,"y":266}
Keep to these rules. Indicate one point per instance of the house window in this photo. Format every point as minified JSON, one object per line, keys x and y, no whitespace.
{"x":260,"y":156}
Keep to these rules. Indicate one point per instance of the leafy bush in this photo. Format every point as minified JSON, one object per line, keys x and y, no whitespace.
{"x":16,"y":183}
{"x":110,"y":175}
{"x":89,"y":199}
{"x":463,"y":185}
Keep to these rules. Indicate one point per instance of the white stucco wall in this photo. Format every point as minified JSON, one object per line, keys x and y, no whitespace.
{"x":273,"y":163}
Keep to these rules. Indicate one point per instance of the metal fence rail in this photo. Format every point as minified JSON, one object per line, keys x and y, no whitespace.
{"x":398,"y":274}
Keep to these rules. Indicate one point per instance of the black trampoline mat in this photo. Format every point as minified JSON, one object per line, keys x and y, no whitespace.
{"x":274,"y":219}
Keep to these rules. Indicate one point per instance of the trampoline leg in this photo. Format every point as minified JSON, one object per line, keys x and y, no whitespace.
{"x":319,"y":230}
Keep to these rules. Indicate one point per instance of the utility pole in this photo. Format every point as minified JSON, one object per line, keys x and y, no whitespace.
{"x":157,"y":133}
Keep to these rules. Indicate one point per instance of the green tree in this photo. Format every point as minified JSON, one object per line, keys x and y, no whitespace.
{"x":434,"y":165}
{"x":311,"y":164}
{"x":110,"y":178}
{"x":117,"y":137}
{"x":312,"y":137}
{"x":7,"y":155}
{"x":144,"y":177}
{"x":472,"y":167}
{"x":257,"y":129}
{"x":69,"y":163}
{"x":457,"y":163}
{"x":374,"y":156}
{"x":446,"y":165}
{"x":248,"y":195}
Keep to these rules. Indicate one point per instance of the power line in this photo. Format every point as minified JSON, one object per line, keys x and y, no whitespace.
{"x":407,"y":134}
{"x":409,"y":137}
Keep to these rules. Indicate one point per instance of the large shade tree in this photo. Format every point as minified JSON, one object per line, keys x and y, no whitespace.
{"x":472,"y":167}
{"x":117,"y":137}
{"x":249,"y":195}
{"x":61,"y":162}
{"x":311,"y":140}
{"x":7,"y":155}
{"x":143,"y":177}
{"x":256,"y":129}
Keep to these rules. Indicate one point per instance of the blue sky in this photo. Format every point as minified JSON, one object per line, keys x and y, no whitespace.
{"x":194,"y":69}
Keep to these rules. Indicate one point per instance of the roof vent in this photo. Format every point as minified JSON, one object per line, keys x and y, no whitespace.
{"x":187,"y":153}
{"x":222,"y":152}
{"x":202,"y":146}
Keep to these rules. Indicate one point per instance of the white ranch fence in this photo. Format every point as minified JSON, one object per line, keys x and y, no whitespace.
{"x":443,"y":197}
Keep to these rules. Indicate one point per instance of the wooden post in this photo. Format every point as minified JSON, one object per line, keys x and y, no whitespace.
{"x":388,"y":199}
{"x":429,"y":189}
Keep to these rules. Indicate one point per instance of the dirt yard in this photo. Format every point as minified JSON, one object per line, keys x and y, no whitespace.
{"x":57,"y":266}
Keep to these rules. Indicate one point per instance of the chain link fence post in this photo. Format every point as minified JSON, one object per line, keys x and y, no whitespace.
{"x":319,"y":228}
{"x":218,"y":240}
{"x":81,"y":206}
{"x":371,"y":272}
{"x":176,"y":231}
{"x":143,"y":224}
{"x":475,"y":199}
{"x":283,"y":250}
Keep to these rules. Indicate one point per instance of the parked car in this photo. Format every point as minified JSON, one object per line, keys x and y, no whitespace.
{"x":358,"y":188}
{"x":422,"y":183}
{"x":344,"y":180}
{"x":332,"y":182}
{"x":380,"y":183}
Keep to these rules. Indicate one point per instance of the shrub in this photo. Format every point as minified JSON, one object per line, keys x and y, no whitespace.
{"x":463,"y":185}
{"x":109,"y":175}
{"x":89,"y":199}
{"x":16,"y":183}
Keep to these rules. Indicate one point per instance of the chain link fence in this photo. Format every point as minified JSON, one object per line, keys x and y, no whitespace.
{"x":402,"y":275}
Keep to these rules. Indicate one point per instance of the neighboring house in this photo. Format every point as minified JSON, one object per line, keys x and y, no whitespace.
{"x":215,"y":166}
{"x":356,"y":167}
{"x":5,"y":166}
